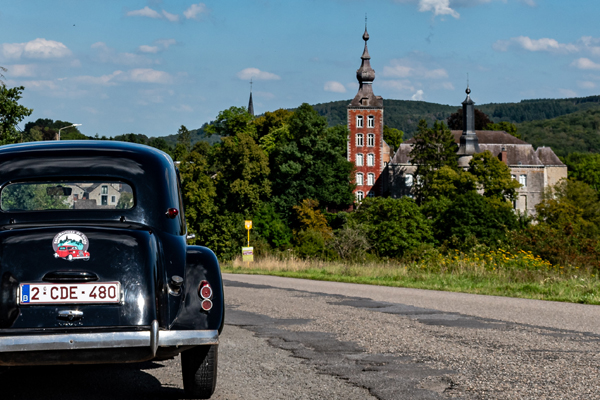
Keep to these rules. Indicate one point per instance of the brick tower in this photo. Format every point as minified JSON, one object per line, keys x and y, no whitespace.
{"x":365,"y":123}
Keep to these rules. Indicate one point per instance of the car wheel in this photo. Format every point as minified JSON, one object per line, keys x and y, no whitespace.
{"x":70,"y":257}
{"x":199,"y":371}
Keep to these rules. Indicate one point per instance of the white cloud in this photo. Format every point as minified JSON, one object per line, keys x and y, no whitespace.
{"x":38,"y":48}
{"x":106,"y":54}
{"x":143,"y":75}
{"x":567,"y":93}
{"x":530,"y":3}
{"x":586,"y":84}
{"x":148,"y":49}
{"x":402,"y":85}
{"x":404,"y":68}
{"x":104,"y":80}
{"x":147,"y":75}
{"x":438,"y":7}
{"x":40,"y":85}
{"x":333,"y":86}
{"x":21,"y":70}
{"x":159,"y":45}
{"x":195,"y":10}
{"x":585,"y":63}
{"x":170,"y":17}
{"x":255,"y":73}
{"x":418,"y":95}
{"x":144,"y":12}
{"x":543,"y":44}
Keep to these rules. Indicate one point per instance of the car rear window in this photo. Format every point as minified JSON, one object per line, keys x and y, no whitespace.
{"x":39,"y":196}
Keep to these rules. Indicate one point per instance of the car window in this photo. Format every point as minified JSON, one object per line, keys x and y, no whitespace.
{"x":88,"y":195}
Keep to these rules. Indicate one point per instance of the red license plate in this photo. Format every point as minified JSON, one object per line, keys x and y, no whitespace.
{"x":75,"y":293}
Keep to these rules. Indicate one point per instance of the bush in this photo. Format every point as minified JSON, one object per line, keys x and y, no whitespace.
{"x":392,"y":226}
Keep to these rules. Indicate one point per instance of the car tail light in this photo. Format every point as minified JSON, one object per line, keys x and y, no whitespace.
{"x":206,"y":304}
{"x":172,"y":213}
{"x":204,"y":290}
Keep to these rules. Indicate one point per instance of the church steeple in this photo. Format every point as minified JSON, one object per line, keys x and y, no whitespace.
{"x":469,"y":144}
{"x":366,"y":75}
{"x":250,"y":104}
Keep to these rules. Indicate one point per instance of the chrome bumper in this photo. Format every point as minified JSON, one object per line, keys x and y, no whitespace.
{"x":153,"y":339}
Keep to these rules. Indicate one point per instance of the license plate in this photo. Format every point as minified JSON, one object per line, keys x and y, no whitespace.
{"x":75,"y":293}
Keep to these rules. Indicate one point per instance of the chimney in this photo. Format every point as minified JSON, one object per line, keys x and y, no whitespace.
{"x":504,"y":156}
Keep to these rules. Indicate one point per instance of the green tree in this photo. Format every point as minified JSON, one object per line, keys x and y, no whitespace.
{"x":472,"y":218}
{"x":242,"y":179}
{"x":455,"y":121}
{"x":311,"y":164}
{"x":505,"y":126}
{"x":493,"y":176}
{"x":231,"y":122}
{"x":392,"y":226}
{"x":433,"y":148}
{"x":572,"y":204}
{"x":184,"y":138}
{"x":11,"y":113}
{"x":269,"y":225}
{"x":449,"y":183}
{"x":392,"y":136}
{"x":584,"y":167}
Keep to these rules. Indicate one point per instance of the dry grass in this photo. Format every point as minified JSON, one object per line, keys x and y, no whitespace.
{"x":501,"y":274}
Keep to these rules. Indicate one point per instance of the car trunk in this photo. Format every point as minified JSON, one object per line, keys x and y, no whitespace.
{"x":124,"y":258}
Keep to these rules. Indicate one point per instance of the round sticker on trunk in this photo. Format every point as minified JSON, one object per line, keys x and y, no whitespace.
{"x":71,"y":245}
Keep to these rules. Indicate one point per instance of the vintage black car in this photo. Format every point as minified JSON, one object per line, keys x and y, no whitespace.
{"x":94,"y":263}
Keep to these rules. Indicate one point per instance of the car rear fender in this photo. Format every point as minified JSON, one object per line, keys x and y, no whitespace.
{"x":201,"y":265}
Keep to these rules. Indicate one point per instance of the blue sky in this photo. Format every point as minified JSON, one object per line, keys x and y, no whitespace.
{"x":149,"y":66}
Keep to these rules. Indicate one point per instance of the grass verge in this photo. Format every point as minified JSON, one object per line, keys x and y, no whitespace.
{"x":498,"y":273}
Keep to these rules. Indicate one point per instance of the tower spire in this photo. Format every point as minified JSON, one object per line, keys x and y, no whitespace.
{"x":365,"y":76}
{"x":469,"y":144}
{"x":250,"y":104}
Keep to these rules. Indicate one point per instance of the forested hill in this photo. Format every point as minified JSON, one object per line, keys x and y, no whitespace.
{"x":405,"y":114}
{"x":196,"y":135}
{"x":576,"y":132}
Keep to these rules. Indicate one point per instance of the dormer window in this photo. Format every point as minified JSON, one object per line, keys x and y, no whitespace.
{"x":370,"y":121}
{"x":359,"y":121}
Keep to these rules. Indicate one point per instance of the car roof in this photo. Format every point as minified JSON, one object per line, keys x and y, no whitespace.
{"x":149,"y":171}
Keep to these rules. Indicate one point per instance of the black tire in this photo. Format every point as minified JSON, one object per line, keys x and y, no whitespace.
{"x":199,"y":371}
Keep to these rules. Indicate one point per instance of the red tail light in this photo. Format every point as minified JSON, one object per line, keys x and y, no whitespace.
{"x":204,"y":290}
{"x":206,"y":304}
{"x":172,"y":213}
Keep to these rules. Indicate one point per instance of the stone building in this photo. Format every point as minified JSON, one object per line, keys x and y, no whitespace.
{"x":380,"y":174}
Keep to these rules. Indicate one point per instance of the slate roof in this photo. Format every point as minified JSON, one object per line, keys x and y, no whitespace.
{"x":517,"y":151}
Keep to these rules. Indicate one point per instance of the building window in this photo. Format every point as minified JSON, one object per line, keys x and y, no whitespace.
{"x":359,"y":179}
{"x":113,"y":199}
{"x":371,"y":122}
{"x":104,"y":190}
{"x":371,"y":194}
{"x":75,"y":197}
{"x":370,"y":160}
{"x":371,"y":139}
{"x":408,"y":180}
{"x":523,"y":180}
{"x":514,"y":177}
{"x":359,"y":139}
{"x":359,"y":160}
{"x":104,"y":200}
{"x":370,"y":179}
{"x":360,"y":196}
{"x":359,"y":121}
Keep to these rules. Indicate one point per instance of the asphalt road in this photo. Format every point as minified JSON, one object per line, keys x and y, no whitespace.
{"x":297,"y":339}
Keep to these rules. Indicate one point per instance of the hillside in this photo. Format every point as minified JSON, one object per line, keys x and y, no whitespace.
{"x":197,"y":136}
{"x":405,"y":114}
{"x":576,"y":132}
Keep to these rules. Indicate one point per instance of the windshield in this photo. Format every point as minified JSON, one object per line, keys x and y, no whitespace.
{"x":39,"y":196}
